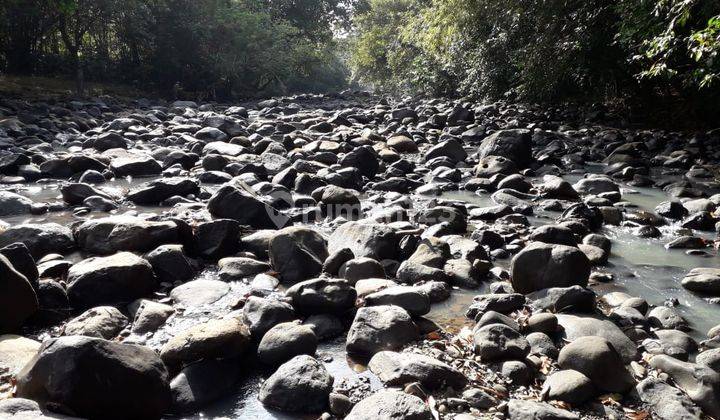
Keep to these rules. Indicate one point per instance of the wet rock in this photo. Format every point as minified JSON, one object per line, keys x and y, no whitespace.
{"x":18,"y":301}
{"x":390,"y":404}
{"x":596,"y":184}
{"x":121,"y":277}
{"x":262,"y":314}
{"x":533,"y":410}
{"x":74,"y":194}
{"x":13,"y":204}
{"x":40,"y":239}
{"x":596,"y":358}
{"x":499,"y":342}
{"x":218,"y":338}
{"x":665,"y":401}
{"x":301,"y":385}
{"x":539,"y":266}
{"x":703,"y":280}
{"x":554,"y":234}
{"x":96,"y":378}
{"x":297,"y":254}
{"x":398,"y":369}
{"x":203,"y":382}
{"x":100,"y":322}
{"x":322,"y":296}
{"x":285,"y":341}
{"x":379,"y":328}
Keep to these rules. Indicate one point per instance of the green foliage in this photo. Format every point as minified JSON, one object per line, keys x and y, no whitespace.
{"x":541,"y":50}
{"x":208,"y":48}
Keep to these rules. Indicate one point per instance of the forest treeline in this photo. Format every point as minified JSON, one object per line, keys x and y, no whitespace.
{"x":545,"y":50}
{"x":658,"y":51}
{"x":216,"y":49}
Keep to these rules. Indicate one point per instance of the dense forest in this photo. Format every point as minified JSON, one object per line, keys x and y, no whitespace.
{"x":530,"y":50}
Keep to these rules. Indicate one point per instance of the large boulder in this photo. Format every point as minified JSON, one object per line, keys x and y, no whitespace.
{"x":365,"y":239}
{"x":378,"y":328}
{"x":121,"y":277}
{"x":297,"y":253}
{"x":511,"y":144}
{"x":322,"y":296}
{"x":301,"y":385}
{"x":95,"y":378}
{"x":596,"y":358}
{"x":40,"y":238}
{"x":124,"y":233}
{"x":388,"y":404}
{"x":245,"y":207}
{"x":18,"y":300}
{"x":540,"y":266}
{"x":398,"y":369}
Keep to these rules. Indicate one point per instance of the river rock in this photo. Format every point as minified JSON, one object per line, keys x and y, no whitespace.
{"x":297,"y":254}
{"x":12,"y":204}
{"x":239,"y":204}
{"x":398,"y":369}
{"x":40,"y":239}
{"x":365,"y":239}
{"x":322,"y":296}
{"x":112,"y":234}
{"x":596,"y":358}
{"x":667,"y":402}
{"x":18,"y":300}
{"x":700,"y":383}
{"x":300,"y":385}
{"x":415,"y":302}
{"x":262,"y":314}
{"x":203,"y":382}
{"x":703,"y":280}
{"x":378,"y":328}
{"x":100,"y":322}
{"x":218,"y":338}
{"x":533,"y":410}
{"x":499,"y":342}
{"x":575,"y":327}
{"x":118,"y":278}
{"x":539,"y":266}
{"x":390,"y":404}
{"x":285,"y":341}
{"x":96,"y":378}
